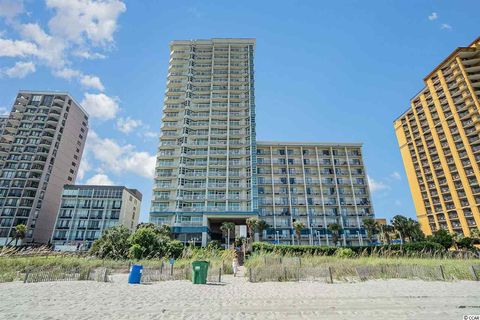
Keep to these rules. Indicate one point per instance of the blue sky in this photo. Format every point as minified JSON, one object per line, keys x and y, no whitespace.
{"x":334,"y":71}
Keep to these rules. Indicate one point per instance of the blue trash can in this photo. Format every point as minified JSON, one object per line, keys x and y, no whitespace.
{"x":135,"y":274}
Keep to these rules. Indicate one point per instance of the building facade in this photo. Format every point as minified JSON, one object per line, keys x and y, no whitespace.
{"x":206,"y":171}
{"x":40,"y":150}
{"x":317,"y":184}
{"x":440,"y":144}
{"x":87,"y":210}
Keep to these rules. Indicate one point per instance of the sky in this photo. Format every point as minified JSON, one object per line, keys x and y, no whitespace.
{"x":325,"y":71}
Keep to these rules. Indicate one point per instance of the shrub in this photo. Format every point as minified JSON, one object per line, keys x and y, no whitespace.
{"x":420,"y":246}
{"x":344,"y":253}
{"x":442,"y":237}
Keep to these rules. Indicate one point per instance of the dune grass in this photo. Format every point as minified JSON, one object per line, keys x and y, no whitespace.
{"x":307,"y":266}
{"x":14,"y":267}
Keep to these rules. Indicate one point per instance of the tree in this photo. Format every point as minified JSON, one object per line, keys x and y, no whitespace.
{"x":252,"y":224}
{"x":442,"y":237}
{"x":465,"y":243}
{"x":261,"y":225}
{"x":371,"y":227}
{"x":407,"y":228}
{"x":113,"y":244}
{"x":298,"y":226}
{"x":386,"y":233}
{"x":400,"y":223}
{"x":227,"y":228}
{"x":19,"y":234}
{"x":334,"y":229}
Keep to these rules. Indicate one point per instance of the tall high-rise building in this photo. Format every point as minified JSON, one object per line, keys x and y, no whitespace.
{"x":207,"y":169}
{"x":439,"y":139}
{"x":317,"y":184}
{"x":205,"y":172}
{"x":87,"y":210}
{"x":40,"y":151}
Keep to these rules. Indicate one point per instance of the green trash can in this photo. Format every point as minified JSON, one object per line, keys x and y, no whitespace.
{"x":199,"y":272}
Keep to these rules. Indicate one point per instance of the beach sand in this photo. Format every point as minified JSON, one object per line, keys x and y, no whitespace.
{"x":239,"y":299}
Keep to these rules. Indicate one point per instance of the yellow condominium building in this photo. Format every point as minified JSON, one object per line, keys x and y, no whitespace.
{"x":439,"y":139}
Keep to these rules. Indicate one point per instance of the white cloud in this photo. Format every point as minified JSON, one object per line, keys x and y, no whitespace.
{"x":17,"y":48}
{"x":76,"y":28}
{"x":100,"y":179}
{"x":51,"y":50}
{"x":4,"y":111}
{"x":67,"y":73}
{"x":446,"y":26}
{"x":151,"y":134}
{"x":433,"y":16}
{"x":80,"y":20}
{"x":396,"y":175}
{"x":89,"y":55}
{"x":100,"y":106}
{"x":377,"y":185}
{"x":20,"y":70}
{"x":127,"y":125}
{"x":10,"y":8}
{"x":90,"y":81}
{"x":119,"y":159}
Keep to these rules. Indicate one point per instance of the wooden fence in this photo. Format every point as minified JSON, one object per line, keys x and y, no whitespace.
{"x":324,"y":273}
{"x":66,"y":274}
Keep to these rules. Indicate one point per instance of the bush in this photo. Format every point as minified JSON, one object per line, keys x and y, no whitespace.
{"x":442,"y":237}
{"x":344,"y":253}
{"x":411,"y":247}
{"x":146,"y":242}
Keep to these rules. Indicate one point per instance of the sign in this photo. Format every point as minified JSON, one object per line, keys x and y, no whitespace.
{"x":172,"y":261}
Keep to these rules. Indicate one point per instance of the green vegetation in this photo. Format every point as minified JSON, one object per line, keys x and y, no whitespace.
{"x":275,"y":267}
{"x":146,"y":242}
{"x":424,"y":248}
{"x":14,"y":267}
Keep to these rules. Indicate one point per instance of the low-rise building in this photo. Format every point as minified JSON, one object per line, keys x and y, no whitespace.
{"x":87,"y":210}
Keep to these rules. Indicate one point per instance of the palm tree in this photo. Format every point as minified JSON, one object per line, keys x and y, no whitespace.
{"x":20,"y":233}
{"x":261,"y":225}
{"x":335,"y":229}
{"x":371,"y":226}
{"x":226,"y":228}
{"x":400,"y":224}
{"x":298,"y":226}
{"x":386,"y":232}
{"x":252,"y":224}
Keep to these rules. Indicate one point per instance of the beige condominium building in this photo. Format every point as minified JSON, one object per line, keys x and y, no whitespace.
{"x":439,"y":139}
{"x":40,"y":150}
{"x":317,"y":184}
{"x":87,"y":210}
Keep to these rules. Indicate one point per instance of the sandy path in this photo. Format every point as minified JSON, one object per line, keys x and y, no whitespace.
{"x":238,"y":299}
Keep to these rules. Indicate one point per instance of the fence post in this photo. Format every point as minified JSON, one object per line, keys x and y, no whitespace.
{"x":161,"y":268}
{"x":474,"y":272}
{"x":330,"y":274}
{"x":171,"y":269}
{"x":285,"y":272}
{"x":105,"y":276}
{"x":250,"y":274}
{"x":442,"y":273}
{"x":88,"y":274}
{"x":219,"y":274}
{"x":26,"y":276}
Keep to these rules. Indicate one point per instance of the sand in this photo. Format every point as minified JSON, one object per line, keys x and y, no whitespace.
{"x":238,"y":299}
